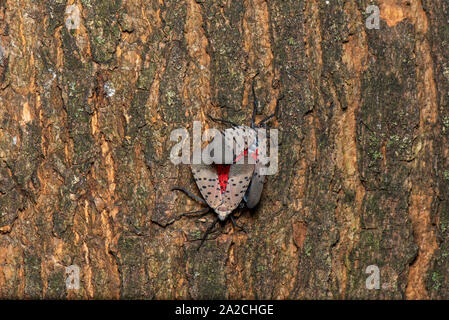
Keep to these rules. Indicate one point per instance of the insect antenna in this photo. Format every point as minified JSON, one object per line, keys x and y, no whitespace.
{"x":253,"y":118}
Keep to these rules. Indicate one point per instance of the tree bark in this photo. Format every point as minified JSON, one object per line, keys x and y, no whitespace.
{"x":85,"y":122}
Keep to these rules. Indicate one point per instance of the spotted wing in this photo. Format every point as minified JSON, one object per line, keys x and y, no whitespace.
{"x":206,"y":179}
{"x":239,"y":180}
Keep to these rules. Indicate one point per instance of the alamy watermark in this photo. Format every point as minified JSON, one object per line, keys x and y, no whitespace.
{"x":227,"y":147}
{"x":373,"y":281}
{"x":373,"y":21}
{"x":72,"y":281}
{"x":73,"y":19}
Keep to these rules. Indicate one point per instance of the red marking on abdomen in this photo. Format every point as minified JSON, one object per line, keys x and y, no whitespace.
{"x":223,"y":175}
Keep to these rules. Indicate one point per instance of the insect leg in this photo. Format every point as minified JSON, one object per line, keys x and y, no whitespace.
{"x":261,"y":123}
{"x":222,"y":121}
{"x":190,"y":194}
{"x":236,"y":225}
{"x":242,"y":205}
{"x":201,"y":212}
{"x":209,"y":229}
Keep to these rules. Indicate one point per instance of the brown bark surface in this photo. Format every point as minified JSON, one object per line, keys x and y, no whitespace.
{"x":85,"y":121}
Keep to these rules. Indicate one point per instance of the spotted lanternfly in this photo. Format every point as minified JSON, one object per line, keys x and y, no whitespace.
{"x":224,"y":186}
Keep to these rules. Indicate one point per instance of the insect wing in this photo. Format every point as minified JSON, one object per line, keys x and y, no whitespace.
{"x":206,"y":179}
{"x":239,"y":180}
{"x":239,"y":139}
{"x":254,"y":191}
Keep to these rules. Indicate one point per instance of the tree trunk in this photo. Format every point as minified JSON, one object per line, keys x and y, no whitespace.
{"x":85,"y":121}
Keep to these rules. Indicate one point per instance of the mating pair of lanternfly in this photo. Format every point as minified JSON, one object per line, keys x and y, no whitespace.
{"x":226,"y":187}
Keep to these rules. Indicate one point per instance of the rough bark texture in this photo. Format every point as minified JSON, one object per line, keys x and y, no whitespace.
{"x":85,"y":120}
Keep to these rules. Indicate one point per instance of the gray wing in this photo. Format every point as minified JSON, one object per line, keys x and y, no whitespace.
{"x":254,"y":191}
